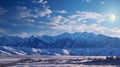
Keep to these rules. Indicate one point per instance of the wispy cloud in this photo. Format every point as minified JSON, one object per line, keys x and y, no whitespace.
{"x":2,"y":11}
{"x":60,"y":24}
{"x":57,"y":19}
{"x":102,"y":2}
{"x":81,"y":16}
{"x":45,"y":12}
{"x":2,"y":31}
{"x":28,"y":15}
{"x":87,"y":0}
{"x":39,"y":1}
{"x":47,"y":20}
{"x":92,"y":28}
{"x":62,"y":11}
{"x":25,"y":12}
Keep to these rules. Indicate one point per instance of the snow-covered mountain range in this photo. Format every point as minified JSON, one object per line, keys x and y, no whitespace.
{"x":64,"y":44}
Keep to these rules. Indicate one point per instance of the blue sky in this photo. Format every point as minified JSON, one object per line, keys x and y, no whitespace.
{"x":52,"y":17}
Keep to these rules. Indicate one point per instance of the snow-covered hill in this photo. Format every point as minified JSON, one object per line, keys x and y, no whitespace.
{"x":64,"y":44}
{"x":69,"y":52}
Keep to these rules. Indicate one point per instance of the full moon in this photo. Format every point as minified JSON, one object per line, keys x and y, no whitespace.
{"x":112,"y":17}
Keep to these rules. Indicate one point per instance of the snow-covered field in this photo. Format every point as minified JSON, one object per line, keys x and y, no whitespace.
{"x":62,"y":65}
{"x":49,"y":61}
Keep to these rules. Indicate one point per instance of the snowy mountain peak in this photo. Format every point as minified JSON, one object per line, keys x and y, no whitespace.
{"x":65,"y":40}
{"x":64,"y":44}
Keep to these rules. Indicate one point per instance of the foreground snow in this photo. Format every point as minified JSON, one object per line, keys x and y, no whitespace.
{"x":52,"y":61}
